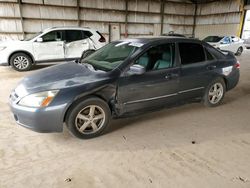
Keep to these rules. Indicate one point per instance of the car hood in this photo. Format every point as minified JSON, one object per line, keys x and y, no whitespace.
{"x":214,"y":43}
{"x":58,"y":77}
{"x":12,"y":43}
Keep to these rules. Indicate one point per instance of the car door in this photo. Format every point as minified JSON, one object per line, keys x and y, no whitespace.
{"x":49,"y":47}
{"x":157,"y":87}
{"x":196,"y":70}
{"x":76,"y":42}
{"x":236,"y":43}
{"x":226,"y":44}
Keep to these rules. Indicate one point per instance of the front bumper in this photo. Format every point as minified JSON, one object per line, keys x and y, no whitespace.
{"x":47,"y":119}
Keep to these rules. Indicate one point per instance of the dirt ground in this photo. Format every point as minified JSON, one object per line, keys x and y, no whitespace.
{"x":151,"y":150}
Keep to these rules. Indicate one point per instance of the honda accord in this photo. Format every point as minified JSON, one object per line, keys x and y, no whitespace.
{"x":123,"y":78}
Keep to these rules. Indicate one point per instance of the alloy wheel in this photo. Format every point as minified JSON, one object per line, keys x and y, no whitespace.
{"x":215,"y":93}
{"x":21,"y":62}
{"x":90,"y":119}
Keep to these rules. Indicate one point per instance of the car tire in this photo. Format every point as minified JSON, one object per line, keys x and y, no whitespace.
{"x":239,"y":51}
{"x":21,"y":62}
{"x":214,"y":93}
{"x":88,"y":118}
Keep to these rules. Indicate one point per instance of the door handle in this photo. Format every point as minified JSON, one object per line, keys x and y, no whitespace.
{"x":170,"y":76}
{"x":211,"y":67}
{"x":59,"y":44}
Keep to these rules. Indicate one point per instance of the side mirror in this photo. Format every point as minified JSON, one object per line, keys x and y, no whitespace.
{"x":39,"y":39}
{"x":136,"y":70}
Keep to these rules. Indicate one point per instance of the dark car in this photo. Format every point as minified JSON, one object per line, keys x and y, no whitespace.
{"x":123,"y":78}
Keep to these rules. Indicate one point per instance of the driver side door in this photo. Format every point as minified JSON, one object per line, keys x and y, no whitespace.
{"x":156,"y":87}
{"x":51,"y":48}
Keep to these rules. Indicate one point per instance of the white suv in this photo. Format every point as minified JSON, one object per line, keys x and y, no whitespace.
{"x":230,"y":43}
{"x":51,"y":45}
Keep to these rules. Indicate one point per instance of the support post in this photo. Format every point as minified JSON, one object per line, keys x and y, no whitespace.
{"x":162,"y":15}
{"x":195,"y":16}
{"x":21,"y":16}
{"x":78,"y":13}
{"x":126,"y":19}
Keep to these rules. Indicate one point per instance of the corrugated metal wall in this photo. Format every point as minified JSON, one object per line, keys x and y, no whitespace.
{"x":218,"y":18}
{"x":135,"y":17}
{"x":20,"y":18}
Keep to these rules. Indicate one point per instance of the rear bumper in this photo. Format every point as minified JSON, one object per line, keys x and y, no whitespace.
{"x":233,"y":79}
{"x":47,"y":119}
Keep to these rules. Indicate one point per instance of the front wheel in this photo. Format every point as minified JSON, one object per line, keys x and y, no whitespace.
{"x":21,"y":62}
{"x":214,"y":93}
{"x":89,"y":118}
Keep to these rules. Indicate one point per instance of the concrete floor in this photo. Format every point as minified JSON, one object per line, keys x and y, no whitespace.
{"x":152,"y":150}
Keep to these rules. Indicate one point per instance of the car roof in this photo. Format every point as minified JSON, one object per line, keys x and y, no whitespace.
{"x":160,"y":38}
{"x":65,"y":28}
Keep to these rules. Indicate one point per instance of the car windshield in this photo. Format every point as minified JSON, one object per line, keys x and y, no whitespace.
{"x":32,"y":36}
{"x":110,"y":56}
{"x":212,"y":39}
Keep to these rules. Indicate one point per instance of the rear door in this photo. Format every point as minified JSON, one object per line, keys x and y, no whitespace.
{"x":76,"y":42}
{"x":197,"y":66}
{"x":157,"y":87}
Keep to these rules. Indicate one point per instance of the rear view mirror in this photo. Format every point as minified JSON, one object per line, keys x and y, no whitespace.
{"x":40,"y":39}
{"x":136,"y":70}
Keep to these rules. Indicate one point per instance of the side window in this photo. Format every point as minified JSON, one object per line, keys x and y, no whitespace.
{"x":226,"y":40}
{"x":52,"y":36}
{"x":191,"y":53}
{"x":158,"y":57}
{"x":87,"y":34}
{"x":209,"y":55}
{"x":73,"y":35}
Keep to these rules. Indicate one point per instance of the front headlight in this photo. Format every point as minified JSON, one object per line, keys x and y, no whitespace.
{"x":38,"y":100}
{"x":2,"y":48}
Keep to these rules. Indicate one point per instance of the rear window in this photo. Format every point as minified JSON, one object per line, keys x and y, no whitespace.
{"x":212,"y":39}
{"x":87,"y":34}
{"x":191,"y":53}
{"x":73,"y":35}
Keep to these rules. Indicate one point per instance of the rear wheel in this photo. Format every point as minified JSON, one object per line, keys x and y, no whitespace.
{"x":215,"y":93}
{"x":89,"y":118}
{"x":239,"y":51}
{"x":21,"y":62}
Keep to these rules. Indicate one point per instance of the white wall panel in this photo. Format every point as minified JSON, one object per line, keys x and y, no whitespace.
{"x":101,"y":27}
{"x":9,"y":10}
{"x":33,"y":1}
{"x":205,"y":30}
{"x":218,"y":18}
{"x":218,"y":7}
{"x":184,"y":9}
{"x":7,"y":25}
{"x":145,"y":18}
{"x":178,"y":19}
{"x":104,"y":4}
{"x":61,"y":2}
{"x":100,"y":15}
{"x":39,"y":11}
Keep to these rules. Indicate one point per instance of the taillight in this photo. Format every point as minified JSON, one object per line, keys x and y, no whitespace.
{"x":237,"y":65}
{"x":102,"y":39}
